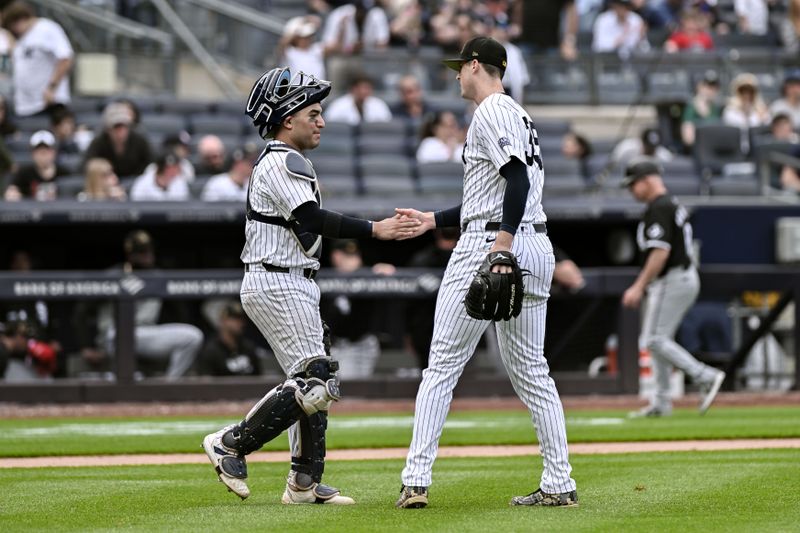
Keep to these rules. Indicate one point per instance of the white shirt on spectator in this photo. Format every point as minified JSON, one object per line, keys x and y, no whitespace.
{"x":783,"y":107}
{"x":607,"y":30}
{"x":376,"y":28}
{"x":516,"y":76}
{"x":756,"y":13}
{"x":434,"y":150}
{"x":35,"y":57}
{"x":737,"y":117}
{"x":221,"y":188}
{"x":344,"y":109}
{"x":146,"y":189}
{"x":628,"y":149}
{"x":310,"y":61}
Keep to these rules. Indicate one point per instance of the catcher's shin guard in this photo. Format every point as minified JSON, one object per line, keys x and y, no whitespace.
{"x":312,"y":445}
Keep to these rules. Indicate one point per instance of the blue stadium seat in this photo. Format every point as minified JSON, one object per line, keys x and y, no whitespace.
{"x":377,"y":145}
{"x":217,"y":124}
{"x":167,"y":123}
{"x":717,"y":144}
{"x":70,"y":186}
{"x":445,"y":177}
{"x":387,"y":174}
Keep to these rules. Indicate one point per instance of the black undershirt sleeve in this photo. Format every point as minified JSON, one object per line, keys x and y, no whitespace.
{"x":516,"y":196}
{"x":331,"y":224}
{"x":448,"y":218}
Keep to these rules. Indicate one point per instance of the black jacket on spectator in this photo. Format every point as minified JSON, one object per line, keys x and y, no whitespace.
{"x":27,"y":179}
{"x":133,"y":160}
{"x":217,"y":359}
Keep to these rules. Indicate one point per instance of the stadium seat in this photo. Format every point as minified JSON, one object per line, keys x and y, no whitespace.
{"x":763,"y":149}
{"x":561,"y":166}
{"x":93,"y":121}
{"x":618,"y":87}
{"x":71,"y":162}
{"x":338,"y":185}
{"x":30,"y":124}
{"x":716,"y":145}
{"x":337,"y":129}
{"x":446,"y":177}
{"x":377,"y":145}
{"x":86,"y":105}
{"x":196,"y":185}
{"x":330,"y":164}
{"x":171,"y":104}
{"x":735,"y":186}
{"x":334,"y":145}
{"x":563,"y":185}
{"x":387,"y":174}
{"x":167,"y":123}
{"x":217,"y":124}
{"x":551,"y":128}
{"x":70,"y":186}
{"x":394,"y":128}
{"x":669,"y":86}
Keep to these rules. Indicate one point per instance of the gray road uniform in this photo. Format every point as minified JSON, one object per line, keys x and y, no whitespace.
{"x":665,"y":224}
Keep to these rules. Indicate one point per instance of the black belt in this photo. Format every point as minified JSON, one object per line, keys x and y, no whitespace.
{"x":495,"y":226}
{"x":309,"y":273}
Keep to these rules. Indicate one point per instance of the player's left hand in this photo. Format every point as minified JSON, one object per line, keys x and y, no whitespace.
{"x":395,"y":228}
{"x":632,"y":296}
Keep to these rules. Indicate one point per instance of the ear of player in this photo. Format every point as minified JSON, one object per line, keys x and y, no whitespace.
{"x":496,"y":295}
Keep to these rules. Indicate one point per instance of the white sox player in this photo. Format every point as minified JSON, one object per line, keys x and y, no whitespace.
{"x":501,"y":211}
{"x":284,"y":229}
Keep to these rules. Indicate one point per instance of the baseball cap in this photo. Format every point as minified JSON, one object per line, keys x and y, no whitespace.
{"x":792,"y":75}
{"x":299,"y":27}
{"x":638,"y":169}
{"x":138,"y":241}
{"x":181,"y":138}
{"x":710,"y":77}
{"x":116,"y":114}
{"x":484,"y":49}
{"x":42,"y":137}
{"x":233,"y":310}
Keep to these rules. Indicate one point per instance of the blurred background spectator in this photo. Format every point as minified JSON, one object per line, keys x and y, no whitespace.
{"x":753,"y":16}
{"x":298,"y":48}
{"x":789,"y":28}
{"x":516,"y":76}
{"x":619,"y":29}
{"x":692,"y":35}
{"x":62,"y":124}
{"x":704,"y":107}
{"x":578,"y":147}
{"x":162,"y":183}
{"x":359,"y":25}
{"x":550,"y":27}
{"x":127,"y":150}
{"x":229,"y":352}
{"x":231,"y":186}
{"x":359,"y":104}
{"x":42,"y":60}
{"x":412,"y":104}
{"x":101,"y":182}
{"x":39,"y":180}
{"x":745,"y":108}
{"x":649,"y":143}
{"x":789,"y":103}
{"x":211,"y":155}
{"x":442,"y":139}
{"x":179,"y":144}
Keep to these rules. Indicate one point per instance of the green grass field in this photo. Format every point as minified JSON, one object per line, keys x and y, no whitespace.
{"x":753,"y":490}
{"x":86,"y":436}
{"x":702,"y":491}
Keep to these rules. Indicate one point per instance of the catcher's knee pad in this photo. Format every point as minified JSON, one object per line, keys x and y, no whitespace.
{"x":320,"y":385}
{"x":312,"y":445}
{"x":270,"y":417}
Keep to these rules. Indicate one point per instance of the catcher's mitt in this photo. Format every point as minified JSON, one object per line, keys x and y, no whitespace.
{"x":495,"y":296}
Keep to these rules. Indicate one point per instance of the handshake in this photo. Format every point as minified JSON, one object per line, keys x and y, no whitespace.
{"x":405,"y":224}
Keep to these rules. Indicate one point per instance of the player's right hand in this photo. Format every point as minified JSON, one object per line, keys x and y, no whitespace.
{"x":395,"y":228}
{"x":427,"y":220}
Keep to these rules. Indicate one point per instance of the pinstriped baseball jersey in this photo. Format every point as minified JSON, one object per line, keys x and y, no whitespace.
{"x":274,"y":191}
{"x":500,"y":129}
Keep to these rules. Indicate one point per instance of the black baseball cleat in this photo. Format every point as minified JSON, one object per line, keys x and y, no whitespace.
{"x":412,"y":498}
{"x":543,"y":499}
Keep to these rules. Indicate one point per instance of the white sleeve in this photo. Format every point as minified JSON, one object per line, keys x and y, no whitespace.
{"x":604,"y":37}
{"x":503,"y":134}
{"x":180,"y":190}
{"x":377,"y":110}
{"x":59,"y":42}
{"x":340,"y":110}
{"x":376,"y":32}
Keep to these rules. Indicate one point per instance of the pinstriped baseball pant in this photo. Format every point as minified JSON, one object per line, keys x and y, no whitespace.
{"x":285,"y":308}
{"x":521,"y":341}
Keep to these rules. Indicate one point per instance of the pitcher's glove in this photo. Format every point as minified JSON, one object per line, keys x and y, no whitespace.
{"x":496,"y":296}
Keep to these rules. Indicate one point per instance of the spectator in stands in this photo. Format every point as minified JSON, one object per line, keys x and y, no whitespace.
{"x":567,"y":275}
{"x":789,"y":28}
{"x":179,"y":144}
{"x":62,"y":124}
{"x":419,"y":316}
{"x":442,"y":139}
{"x":703,"y":107}
{"x":516,"y":76}
{"x":38,"y":181}
{"x":619,"y":30}
{"x":25,"y":359}
{"x":126,"y":149}
{"x":406,"y":23}
{"x":782,"y":130}
{"x":7,"y":126}
{"x":42,"y":60}
{"x":692,"y":35}
{"x":232,"y":185}
{"x":789,"y":104}
{"x":412,"y":105}
{"x":229,"y":352}
{"x":162,"y":183}
{"x":745,"y":108}
{"x":647,"y":144}
{"x":299,"y":50}
{"x":359,"y":104}
{"x":790,"y":177}
{"x":101,"y":182}
{"x":662,"y":13}
{"x":177,"y":343}
{"x":575,"y":146}
{"x":542,"y":28}
{"x":211,"y":152}
{"x":133,"y":109}
{"x":359,"y":25}
{"x":753,"y":16}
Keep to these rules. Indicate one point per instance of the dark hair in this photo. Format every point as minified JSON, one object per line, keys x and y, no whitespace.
{"x":167,"y":158}
{"x":493,"y":71}
{"x":360,"y":77}
{"x":431,"y":121}
{"x":59,"y":114}
{"x":778,"y":118}
{"x":585,"y":145}
{"x":16,"y":11}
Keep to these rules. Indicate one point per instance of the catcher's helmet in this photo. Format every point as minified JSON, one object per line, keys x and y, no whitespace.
{"x":278,"y":94}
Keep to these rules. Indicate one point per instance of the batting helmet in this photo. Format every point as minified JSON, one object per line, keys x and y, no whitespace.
{"x":278,"y":94}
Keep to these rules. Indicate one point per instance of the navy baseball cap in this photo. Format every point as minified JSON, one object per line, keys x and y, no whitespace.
{"x":484,"y":49}
{"x":638,"y":169}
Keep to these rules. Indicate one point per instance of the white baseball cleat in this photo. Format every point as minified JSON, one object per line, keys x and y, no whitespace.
{"x":711,"y":392}
{"x":300,"y":488}
{"x":231,"y":469}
